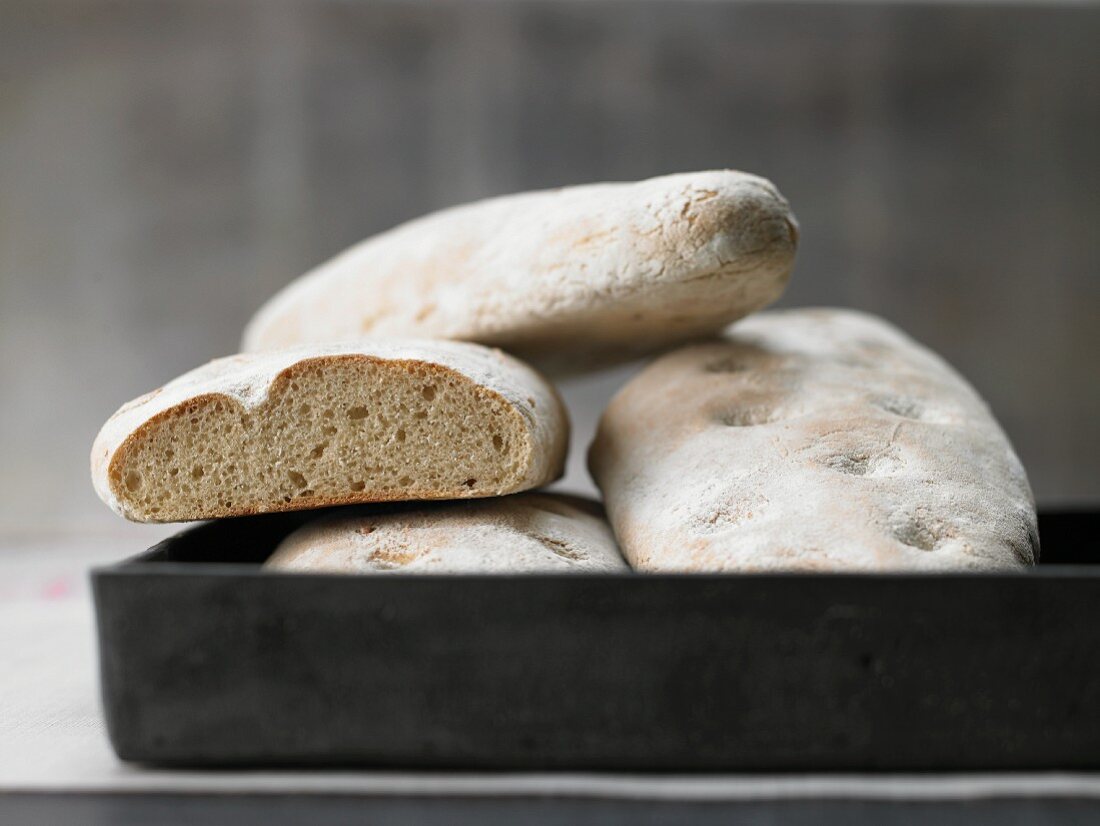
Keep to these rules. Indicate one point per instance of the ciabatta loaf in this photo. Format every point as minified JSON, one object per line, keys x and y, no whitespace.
{"x":810,"y":440}
{"x":331,"y":424}
{"x":528,"y":532}
{"x":564,"y":278}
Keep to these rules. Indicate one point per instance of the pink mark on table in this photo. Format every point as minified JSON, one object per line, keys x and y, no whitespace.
{"x":58,"y":588}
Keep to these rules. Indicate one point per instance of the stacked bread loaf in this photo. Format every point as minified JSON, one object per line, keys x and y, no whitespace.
{"x":796,"y":440}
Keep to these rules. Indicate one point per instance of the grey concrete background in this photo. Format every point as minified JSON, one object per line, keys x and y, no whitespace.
{"x":165,"y":166}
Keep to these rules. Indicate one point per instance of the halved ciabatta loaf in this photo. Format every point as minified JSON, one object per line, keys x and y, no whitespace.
{"x":528,"y":532}
{"x":331,"y":424}
{"x":565,"y":278}
{"x":810,"y":440}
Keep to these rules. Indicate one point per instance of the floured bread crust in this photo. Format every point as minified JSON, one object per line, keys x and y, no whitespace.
{"x":564,"y":278}
{"x":525,"y":533}
{"x":810,"y":440}
{"x":322,"y":425}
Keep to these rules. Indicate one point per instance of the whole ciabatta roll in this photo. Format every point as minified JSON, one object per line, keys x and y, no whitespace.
{"x":565,"y":278}
{"x":528,"y":532}
{"x":324,"y":425}
{"x":810,"y":440}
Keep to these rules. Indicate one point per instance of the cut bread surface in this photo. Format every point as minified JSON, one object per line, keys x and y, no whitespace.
{"x":322,"y":426}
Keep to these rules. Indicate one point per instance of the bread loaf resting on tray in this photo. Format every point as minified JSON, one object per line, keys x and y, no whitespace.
{"x":802,"y":440}
{"x":811,"y":440}
{"x":532,"y":532}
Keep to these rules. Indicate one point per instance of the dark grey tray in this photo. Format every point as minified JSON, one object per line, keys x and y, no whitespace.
{"x":207,"y":660}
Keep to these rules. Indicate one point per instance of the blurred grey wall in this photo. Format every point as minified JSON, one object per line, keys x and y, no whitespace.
{"x":165,"y":166}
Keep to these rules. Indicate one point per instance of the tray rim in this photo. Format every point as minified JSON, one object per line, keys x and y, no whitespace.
{"x":144,"y":564}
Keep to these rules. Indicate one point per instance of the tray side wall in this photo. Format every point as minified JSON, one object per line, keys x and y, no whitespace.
{"x":629,"y":673}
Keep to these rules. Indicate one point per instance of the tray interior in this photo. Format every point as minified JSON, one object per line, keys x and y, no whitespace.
{"x":1067,"y":537}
